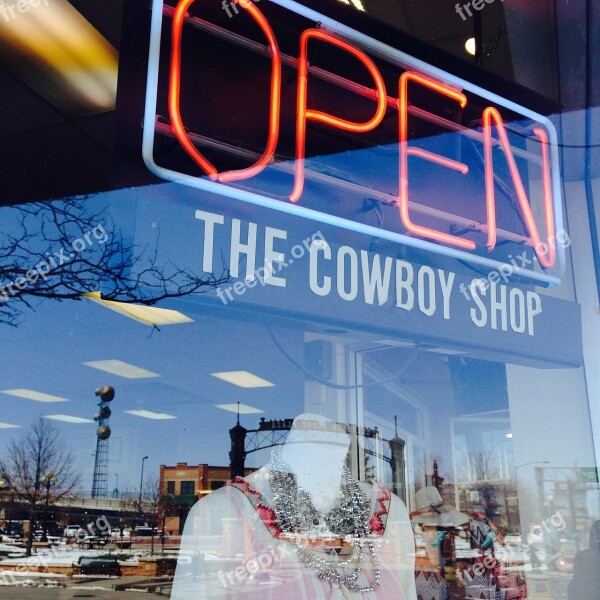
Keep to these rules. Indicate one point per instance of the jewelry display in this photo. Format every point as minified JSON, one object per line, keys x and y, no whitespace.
{"x":302,"y":523}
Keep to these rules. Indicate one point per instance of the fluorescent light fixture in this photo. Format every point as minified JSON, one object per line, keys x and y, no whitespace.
{"x":33,"y":395}
{"x":244,"y":409}
{"x":395,"y":343}
{"x":52,"y":48}
{"x":67,"y":419}
{"x":120,"y":368}
{"x":147,"y":414}
{"x":509,"y":436}
{"x":243,"y":379}
{"x":471,"y":46}
{"x":148,"y":315}
{"x":8,"y":426}
{"x":356,"y":3}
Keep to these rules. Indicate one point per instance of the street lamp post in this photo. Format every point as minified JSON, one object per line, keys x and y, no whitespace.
{"x":141,"y":483}
{"x":532,"y":462}
{"x":162,"y":535}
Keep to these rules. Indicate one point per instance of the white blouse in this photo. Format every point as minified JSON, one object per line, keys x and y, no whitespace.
{"x":231,"y":549}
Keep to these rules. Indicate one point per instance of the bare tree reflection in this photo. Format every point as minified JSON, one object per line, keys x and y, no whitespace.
{"x":62,"y":249}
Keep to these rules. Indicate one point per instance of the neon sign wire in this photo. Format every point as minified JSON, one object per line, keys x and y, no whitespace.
{"x":444,"y":83}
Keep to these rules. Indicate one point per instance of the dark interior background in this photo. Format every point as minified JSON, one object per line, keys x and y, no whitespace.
{"x":45,"y":154}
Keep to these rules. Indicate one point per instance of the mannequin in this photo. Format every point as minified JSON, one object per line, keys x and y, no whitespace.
{"x":316,"y":463}
{"x":299,"y":528}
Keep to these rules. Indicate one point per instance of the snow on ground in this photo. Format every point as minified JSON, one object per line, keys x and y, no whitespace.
{"x":8,"y":574}
{"x":89,"y":588}
{"x":31,"y":583}
{"x":55,"y":557}
{"x":11,"y":548}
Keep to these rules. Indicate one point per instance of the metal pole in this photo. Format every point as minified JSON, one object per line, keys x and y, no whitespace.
{"x":141,"y":482}
{"x":47,"y":509}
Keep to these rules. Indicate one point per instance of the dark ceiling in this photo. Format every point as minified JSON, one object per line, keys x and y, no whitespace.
{"x":44,"y":154}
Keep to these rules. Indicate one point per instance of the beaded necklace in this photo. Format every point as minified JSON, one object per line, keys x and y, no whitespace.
{"x":298,"y":518}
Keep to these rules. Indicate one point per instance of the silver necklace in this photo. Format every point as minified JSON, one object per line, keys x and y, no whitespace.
{"x":298,"y":518}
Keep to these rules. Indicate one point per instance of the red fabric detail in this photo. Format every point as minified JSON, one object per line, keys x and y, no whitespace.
{"x":382,"y":509}
{"x":512,"y":584}
{"x":266,"y":513}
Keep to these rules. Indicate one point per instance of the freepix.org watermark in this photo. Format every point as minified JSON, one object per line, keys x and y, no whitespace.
{"x":52,"y":261}
{"x":475,"y":4}
{"x":506,"y":556}
{"x":264,"y":275}
{"x":11,"y":10}
{"x":257,"y":564}
{"x":518,"y":264}
{"x":41,"y":561}
{"x":231,"y":7}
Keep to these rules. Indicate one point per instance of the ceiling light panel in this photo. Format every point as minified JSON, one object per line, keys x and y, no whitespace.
{"x":148,"y":315}
{"x":67,"y":419}
{"x":147,"y":414}
{"x":243,"y":409}
{"x":243,"y":379}
{"x":120,"y":368}
{"x":33,"y":395}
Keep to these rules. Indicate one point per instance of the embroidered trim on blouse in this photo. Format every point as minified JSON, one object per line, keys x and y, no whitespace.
{"x":267,"y":514}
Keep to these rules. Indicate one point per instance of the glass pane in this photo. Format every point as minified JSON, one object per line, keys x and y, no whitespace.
{"x":299,"y":300}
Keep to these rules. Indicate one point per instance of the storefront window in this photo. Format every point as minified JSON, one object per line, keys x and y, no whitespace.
{"x":298,"y":301}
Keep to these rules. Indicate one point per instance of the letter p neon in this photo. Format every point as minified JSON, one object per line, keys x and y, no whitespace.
{"x":304,"y":114}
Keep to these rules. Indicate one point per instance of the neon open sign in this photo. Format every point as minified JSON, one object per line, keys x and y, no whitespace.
{"x":538,"y":231}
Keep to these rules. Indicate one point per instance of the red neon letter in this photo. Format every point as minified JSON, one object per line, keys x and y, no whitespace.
{"x":175,"y":93}
{"x":304,"y":114}
{"x":405,"y":152}
{"x":490,"y":115}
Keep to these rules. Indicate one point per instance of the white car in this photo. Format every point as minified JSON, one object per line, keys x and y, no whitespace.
{"x":70,"y":531}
